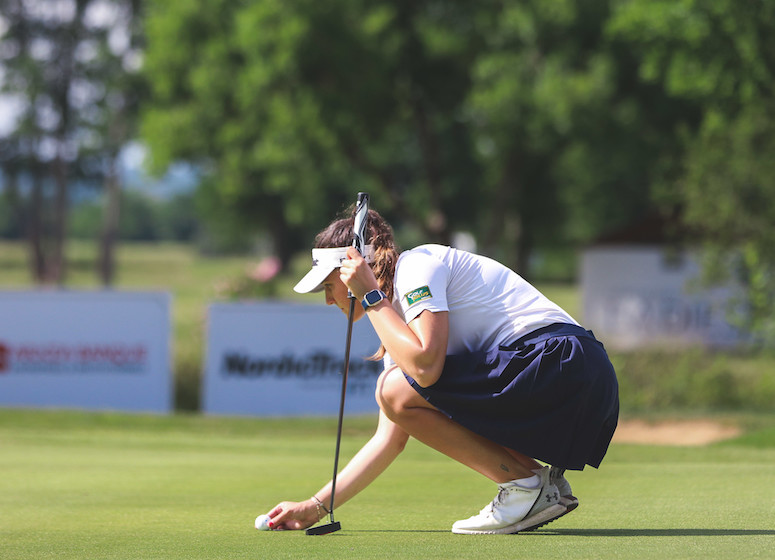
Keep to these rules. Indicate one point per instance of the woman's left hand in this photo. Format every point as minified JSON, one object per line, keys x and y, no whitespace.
{"x":357,"y":275}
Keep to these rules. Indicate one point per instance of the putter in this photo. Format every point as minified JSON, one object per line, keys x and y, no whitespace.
{"x":359,"y":228}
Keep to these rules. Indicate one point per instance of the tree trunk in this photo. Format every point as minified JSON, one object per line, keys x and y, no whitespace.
{"x":110,"y":221}
{"x":523,"y":249}
{"x":57,"y":269}
{"x":15,"y":202}
{"x":279,"y":233}
{"x":34,"y":230}
{"x":429,"y":148}
{"x":506,"y":238}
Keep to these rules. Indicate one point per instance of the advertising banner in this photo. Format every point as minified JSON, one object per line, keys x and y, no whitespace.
{"x":278,"y":359}
{"x":644,"y":296}
{"x":86,"y":350}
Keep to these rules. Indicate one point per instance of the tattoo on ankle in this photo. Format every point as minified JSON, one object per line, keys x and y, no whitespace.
{"x":504,"y":468}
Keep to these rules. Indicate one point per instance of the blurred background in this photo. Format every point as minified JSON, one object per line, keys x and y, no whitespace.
{"x":616,"y":153}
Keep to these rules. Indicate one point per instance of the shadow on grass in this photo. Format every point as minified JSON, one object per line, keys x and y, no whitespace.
{"x":398,"y":531}
{"x":609,"y":532}
{"x":656,"y":532}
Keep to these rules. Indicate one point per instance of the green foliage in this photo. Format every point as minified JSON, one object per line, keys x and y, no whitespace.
{"x":493,"y":117}
{"x":719,"y":56}
{"x":702,"y":50}
{"x":226,"y":95}
{"x":533,"y":124}
{"x":696,"y":379}
{"x":142,"y":218}
{"x":10,"y":225}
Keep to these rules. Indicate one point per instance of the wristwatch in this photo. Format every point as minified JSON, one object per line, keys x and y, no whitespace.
{"x":372,"y":298}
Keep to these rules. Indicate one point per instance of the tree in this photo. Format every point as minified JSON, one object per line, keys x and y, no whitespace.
{"x":66,"y":64}
{"x":521,"y":121}
{"x":543,"y":65}
{"x":720,"y":56}
{"x":297,"y":105}
{"x":572,"y":143}
{"x":116,"y":67}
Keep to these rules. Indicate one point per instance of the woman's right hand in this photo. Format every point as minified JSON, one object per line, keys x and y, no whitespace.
{"x":294,"y":515}
{"x":356,"y":274}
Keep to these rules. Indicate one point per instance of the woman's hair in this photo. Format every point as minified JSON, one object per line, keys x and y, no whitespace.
{"x":379,"y":234}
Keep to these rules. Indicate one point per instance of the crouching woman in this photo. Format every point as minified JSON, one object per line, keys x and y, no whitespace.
{"x":479,"y":365}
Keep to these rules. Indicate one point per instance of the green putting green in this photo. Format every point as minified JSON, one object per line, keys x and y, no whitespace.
{"x":102,"y":486}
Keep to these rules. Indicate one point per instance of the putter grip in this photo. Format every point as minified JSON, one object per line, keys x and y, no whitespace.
{"x":359,"y":224}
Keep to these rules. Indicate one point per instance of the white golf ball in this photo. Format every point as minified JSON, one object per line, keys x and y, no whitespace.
{"x":262,"y":522}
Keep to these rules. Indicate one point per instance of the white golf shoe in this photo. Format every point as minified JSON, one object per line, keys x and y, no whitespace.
{"x":516,"y":509}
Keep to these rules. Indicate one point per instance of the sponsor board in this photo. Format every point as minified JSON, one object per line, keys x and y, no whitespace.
{"x":644,"y":296}
{"x":90,"y":350}
{"x":276,"y":359}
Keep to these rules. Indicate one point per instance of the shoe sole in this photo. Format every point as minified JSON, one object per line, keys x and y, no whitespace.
{"x":570,"y":503}
{"x":528,"y":524}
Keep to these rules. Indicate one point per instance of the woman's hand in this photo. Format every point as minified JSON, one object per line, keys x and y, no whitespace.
{"x":294,"y":515}
{"x":356,"y":274}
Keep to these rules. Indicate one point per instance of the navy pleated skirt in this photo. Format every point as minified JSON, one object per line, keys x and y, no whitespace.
{"x":551,"y":395}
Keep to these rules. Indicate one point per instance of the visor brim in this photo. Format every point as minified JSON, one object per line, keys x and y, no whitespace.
{"x":324,"y":261}
{"x":313,"y":280}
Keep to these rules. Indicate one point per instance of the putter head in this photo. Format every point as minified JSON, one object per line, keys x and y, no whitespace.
{"x":324,"y":529}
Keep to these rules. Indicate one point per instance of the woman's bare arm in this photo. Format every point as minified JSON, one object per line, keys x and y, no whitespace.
{"x":418,"y":348}
{"x":371,"y":461}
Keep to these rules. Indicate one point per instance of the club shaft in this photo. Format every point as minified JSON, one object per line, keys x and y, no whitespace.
{"x":359,"y":228}
{"x":341,"y":403}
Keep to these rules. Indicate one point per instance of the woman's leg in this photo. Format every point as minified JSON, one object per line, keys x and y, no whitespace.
{"x":406,"y":408}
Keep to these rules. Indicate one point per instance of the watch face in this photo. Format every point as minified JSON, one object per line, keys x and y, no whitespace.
{"x":373,"y":297}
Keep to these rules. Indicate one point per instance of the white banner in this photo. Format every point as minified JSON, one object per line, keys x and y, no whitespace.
{"x":90,"y":350}
{"x":274,"y":359}
{"x":642,"y":296}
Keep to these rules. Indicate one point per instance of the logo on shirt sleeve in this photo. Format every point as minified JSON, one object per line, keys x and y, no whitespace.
{"x":418,"y":295}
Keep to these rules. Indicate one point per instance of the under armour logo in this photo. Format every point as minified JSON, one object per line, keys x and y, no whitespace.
{"x":553,"y":497}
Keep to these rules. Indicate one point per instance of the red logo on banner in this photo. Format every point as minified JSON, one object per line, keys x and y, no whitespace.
{"x":55,"y":357}
{"x":3,"y":357}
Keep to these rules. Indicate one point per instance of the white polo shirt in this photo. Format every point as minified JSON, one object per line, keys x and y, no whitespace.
{"x":488,"y":303}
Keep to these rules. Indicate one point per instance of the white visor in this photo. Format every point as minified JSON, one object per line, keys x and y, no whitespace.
{"x":324,"y":261}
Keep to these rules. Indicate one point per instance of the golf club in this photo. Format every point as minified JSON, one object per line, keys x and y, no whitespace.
{"x":359,"y":228}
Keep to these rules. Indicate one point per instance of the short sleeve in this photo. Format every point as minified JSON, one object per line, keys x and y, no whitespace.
{"x":421,"y":283}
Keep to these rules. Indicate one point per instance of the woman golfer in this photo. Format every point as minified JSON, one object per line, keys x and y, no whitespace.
{"x":479,"y":365}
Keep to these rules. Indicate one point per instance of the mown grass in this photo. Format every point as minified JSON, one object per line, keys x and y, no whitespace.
{"x":112,"y":486}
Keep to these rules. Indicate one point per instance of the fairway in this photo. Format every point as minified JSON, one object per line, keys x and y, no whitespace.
{"x":85,"y":485}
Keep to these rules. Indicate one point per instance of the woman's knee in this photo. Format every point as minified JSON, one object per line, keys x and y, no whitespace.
{"x":393,"y":392}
